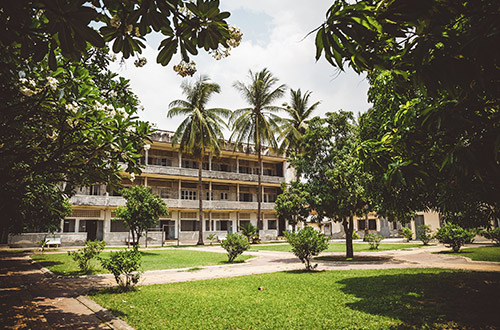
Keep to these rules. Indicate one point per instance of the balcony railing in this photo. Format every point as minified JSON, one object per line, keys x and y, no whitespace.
{"x":190,"y":172}
{"x":114,"y":201}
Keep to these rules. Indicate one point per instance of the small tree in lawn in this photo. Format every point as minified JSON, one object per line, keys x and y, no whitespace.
{"x":424,"y":233}
{"x":142,"y":210}
{"x":292,"y":204}
{"x":454,"y":236}
{"x":235,"y":244}
{"x":306,"y":244}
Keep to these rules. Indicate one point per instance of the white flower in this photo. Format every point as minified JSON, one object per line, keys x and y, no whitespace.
{"x":113,"y":94}
{"x":32,"y":83}
{"x":26,"y":91}
{"x":73,"y":106}
{"x":132,"y":177}
{"x":141,"y":107}
{"x":23,"y":80}
{"x":52,"y":82}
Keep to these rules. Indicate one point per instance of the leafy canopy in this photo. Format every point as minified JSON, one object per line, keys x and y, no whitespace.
{"x":142,"y":210}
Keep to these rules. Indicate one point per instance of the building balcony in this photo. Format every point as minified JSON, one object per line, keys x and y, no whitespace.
{"x":218,"y":175}
{"x":114,"y":201}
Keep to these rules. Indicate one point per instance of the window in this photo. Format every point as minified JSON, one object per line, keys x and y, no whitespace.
{"x":69,"y":226}
{"x":271,"y":224}
{"x":95,"y":190}
{"x":361,"y":224}
{"x":269,"y":198}
{"x":188,"y":194}
{"x":372,"y":224}
{"x":189,"y":164}
{"x":224,"y":196}
{"x":159,"y":161}
{"x":207,"y":225}
{"x":394,"y":225}
{"x":207,"y":194}
{"x":245,"y":197}
{"x":119,"y":226}
{"x":189,"y":225}
{"x":244,"y":223}
{"x":245,"y":169}
{"x":164,"y":192}
{"x":223,"y":225}
{"x":268,"y":171}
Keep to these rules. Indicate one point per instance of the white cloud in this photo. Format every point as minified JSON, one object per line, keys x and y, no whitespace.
{"x":286,"y":54}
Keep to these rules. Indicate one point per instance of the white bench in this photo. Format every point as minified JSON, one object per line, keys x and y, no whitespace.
{"x":53,"y":241}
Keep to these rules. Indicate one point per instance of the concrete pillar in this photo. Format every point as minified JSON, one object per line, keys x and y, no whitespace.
{"x":146,"y":153}
{"x":237,"y":192}
{"x":237,"y":164}
{"x":180,"y":159}
{"x":145,"y":181}
{"x":180,"y":186}
{"x":77,"y":225}
{"x":210,"y":191}
{"x":284,"y":169}
{"x":210,"y":162}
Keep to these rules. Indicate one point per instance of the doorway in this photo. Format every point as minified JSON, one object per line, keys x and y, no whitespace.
{"x":93,"y":228}
{"x":168,"y":227}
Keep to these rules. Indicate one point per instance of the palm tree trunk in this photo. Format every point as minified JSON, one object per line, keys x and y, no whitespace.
{"x":260,"y":223}
{"x":200,"y":200}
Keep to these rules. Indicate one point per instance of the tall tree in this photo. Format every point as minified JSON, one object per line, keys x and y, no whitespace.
{"x":258,"y":123}
{"x":334,"y":178}
{"x":441,"y":50}
{"x":200,"y":134}
{"x":299,"y":112}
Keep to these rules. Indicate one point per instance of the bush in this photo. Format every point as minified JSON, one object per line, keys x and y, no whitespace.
{"x":493,"y":234}
{"x":454,"y":236}
{"x":125,"y":266}
{"x":407,"y":233}
{"x":355,"y":235}
{"x":424,"y":233}
{"x":212,"y":238}
{"x":306,"y":244}
{"x":250,"y":232}
{"x":374,"y":240}
{"x":84,"y":255}
{"x":235,"y":244}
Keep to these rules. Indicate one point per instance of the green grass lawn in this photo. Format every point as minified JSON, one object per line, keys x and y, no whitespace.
{"x":62,"y":264}
{"x":354,"y":299}
{"x":340,"y":247}
{"x":483,"y":253}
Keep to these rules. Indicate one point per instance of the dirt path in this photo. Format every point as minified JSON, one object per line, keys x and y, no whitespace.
{"x":31,"y":298}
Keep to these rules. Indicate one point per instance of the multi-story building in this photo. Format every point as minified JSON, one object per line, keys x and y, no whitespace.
{"x":229,"y":196}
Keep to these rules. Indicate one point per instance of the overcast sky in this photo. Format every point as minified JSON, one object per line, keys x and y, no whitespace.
{"x":273,"y":37}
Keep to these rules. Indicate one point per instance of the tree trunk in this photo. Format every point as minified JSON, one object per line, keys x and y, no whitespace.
{"x":348,"y":227}
{"x":260,"y":223}
{"x":200,"y":200}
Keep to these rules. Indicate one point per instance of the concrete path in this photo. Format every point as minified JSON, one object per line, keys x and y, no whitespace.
{"x":32,"y":298}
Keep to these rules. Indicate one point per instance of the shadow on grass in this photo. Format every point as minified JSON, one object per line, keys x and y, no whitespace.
{"x":448,"y":300}
{"x":356,"y":259}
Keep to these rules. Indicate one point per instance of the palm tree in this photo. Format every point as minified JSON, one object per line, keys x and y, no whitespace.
{"x":294,"y":127}
{"x":258,"y":123}
{"x":200,"y":133}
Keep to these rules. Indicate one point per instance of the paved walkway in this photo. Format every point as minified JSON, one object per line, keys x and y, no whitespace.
{"x":31,"y":298}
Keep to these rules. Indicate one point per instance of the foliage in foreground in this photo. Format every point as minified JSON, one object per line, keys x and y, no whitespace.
{"x":235,"y":244}
{"x":368,"y":299}
{"x":83,"y":256}
{"x":306,"y":244}
{"x":454,"y":236}
{"x":125,"y":266}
